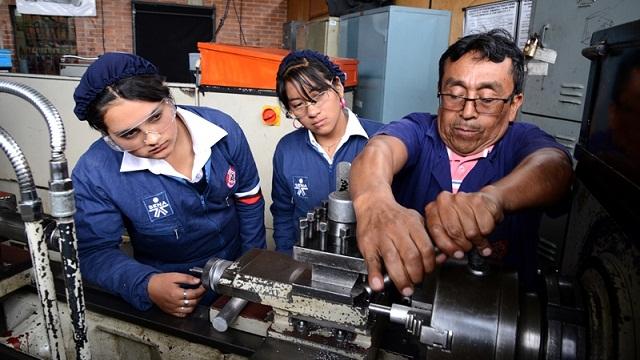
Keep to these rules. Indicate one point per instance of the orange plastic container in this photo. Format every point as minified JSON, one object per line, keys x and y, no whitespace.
{"x":252,"y":67}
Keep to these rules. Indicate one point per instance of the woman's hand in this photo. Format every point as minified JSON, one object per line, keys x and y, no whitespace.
{"x":165,"y":291}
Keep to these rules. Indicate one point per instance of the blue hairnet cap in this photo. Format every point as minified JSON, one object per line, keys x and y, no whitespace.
{"x":311,"y":54}
{"x":107,"y":70}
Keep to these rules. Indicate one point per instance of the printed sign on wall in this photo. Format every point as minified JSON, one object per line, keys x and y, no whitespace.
{"x":511,"y":15}
{"x":57,"y":7}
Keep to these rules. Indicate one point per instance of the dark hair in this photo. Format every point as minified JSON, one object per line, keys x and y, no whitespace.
{"x":142,"y":87}
{"x":307,"y":71}
{"x":495,"y":45}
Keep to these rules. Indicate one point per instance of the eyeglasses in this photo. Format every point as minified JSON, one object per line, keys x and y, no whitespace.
{"x":300,"y":107}
{"x":486,"y":106}
{"x":134,"y":138}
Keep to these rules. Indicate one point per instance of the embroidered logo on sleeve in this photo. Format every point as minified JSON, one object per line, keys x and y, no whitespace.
{"x":230,"y":178}
{"x":300,"y":186}
{"x":158,"y":206}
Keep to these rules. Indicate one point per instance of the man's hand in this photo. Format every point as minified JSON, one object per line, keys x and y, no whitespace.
{"x":165,"y":291}
{"x":391,"y":234}
{"x":457,"y":222}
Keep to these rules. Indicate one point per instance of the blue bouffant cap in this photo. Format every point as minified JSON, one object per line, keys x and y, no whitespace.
{"x":310,"y":54}
{"x":107,"y":70}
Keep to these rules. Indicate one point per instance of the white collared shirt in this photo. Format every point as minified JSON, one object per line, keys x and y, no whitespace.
{"x":204,"y":135}
{"x":353,"y":128}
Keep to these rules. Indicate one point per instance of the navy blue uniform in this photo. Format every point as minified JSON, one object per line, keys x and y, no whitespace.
{"x":302,"y":178}
{"x":173,"y":226}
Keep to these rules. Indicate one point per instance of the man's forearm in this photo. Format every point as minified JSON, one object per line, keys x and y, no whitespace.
{"x":388,"y":234}
{"x":540,"y":179}
{"x":373,"y":169}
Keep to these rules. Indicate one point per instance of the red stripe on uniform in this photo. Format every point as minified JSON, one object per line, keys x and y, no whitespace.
{"x":251,"y":199}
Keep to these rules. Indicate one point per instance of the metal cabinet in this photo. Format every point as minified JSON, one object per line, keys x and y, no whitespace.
{"x":555,"y":101}
{"x":398,"y":49}
{"x":320,"y":35}
{"x":566,"y":132}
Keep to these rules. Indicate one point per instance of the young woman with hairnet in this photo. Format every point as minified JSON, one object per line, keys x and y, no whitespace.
{"x":311,"y":88}
{"x":181,"y":180}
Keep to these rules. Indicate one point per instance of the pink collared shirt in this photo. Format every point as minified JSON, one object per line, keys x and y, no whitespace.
{"x":461,"y":166}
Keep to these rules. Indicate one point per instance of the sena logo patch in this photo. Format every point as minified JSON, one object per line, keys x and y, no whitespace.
{"x":157,"y":206}
{"x":230,"y":178}
{"x":301,"y":186}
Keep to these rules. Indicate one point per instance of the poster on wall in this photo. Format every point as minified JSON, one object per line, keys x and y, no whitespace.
{"x":483,"y":18}
{"x":57,"y":7}
{"x":523,"y":22}
{"x":512,"y":15}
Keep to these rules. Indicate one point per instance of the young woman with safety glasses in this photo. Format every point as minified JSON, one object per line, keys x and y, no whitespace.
{"x":180,"y":180}
{"x":311,"y":89}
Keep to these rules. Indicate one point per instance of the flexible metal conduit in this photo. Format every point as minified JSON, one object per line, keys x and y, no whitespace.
{"x":62,"y":209}
{"x":31,"y":209}
{"x":46,"y":108}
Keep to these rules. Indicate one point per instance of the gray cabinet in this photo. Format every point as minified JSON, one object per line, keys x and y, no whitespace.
{"x":398,"y":49}
{"x":555,"y":101}
{"x":566,"y":132}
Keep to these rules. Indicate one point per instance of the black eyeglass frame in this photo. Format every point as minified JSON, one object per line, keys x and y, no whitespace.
{"x":289,"y":113}
{"x":475,"y":102}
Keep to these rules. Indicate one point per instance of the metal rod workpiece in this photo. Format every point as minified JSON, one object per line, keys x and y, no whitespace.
{"x":380,"y":309}
{"x":228,"y":313}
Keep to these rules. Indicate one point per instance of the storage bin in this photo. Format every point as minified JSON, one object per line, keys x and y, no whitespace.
{"x":252,"y":67}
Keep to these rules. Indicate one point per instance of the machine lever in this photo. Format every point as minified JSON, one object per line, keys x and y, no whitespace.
{"x":477,"y":263}
{"x":386,"y":281}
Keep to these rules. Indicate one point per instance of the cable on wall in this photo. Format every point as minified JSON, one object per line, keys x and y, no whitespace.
{"x":222,"y":19}
{"x":104,"y":48}
{"x":242,"y":39}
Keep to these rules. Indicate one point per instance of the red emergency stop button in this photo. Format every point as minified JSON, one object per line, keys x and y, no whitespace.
{"x":271,"y":115}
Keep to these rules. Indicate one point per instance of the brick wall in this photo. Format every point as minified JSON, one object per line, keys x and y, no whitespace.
{"x":261,"y":24}
{"x":6,"y":31}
